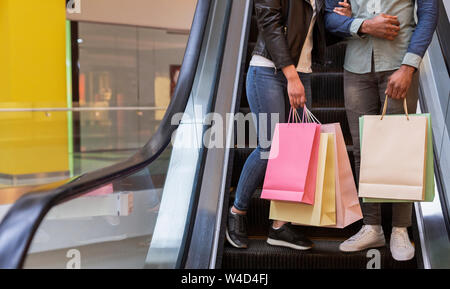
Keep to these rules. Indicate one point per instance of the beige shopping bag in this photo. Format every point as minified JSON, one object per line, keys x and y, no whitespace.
{"x":429,"y":179}
{"x":323,"y":212}
{"x":393,"y":156}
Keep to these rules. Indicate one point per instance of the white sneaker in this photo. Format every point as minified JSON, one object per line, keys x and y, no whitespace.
{"x":368,"y":237}
{"x":401,"y":247}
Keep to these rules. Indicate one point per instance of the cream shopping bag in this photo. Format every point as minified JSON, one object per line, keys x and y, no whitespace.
{"x":393,"y":154}
{"x":323,"y":212}
{"x":429,"y":179}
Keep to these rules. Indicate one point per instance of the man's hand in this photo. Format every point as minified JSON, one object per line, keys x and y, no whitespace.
{"x":381,"y":26}
{"x":399,"y":82}
{"x":344,"y":10}
{"x":296,"y":90}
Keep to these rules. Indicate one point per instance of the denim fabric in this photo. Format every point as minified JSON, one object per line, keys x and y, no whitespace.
{"x":266,"y":94}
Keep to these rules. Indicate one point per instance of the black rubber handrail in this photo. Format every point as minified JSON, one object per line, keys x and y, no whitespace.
{"x":442,"y":29}
{"x":20,"y":224}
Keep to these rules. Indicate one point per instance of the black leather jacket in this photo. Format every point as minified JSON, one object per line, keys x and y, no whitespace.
{"x":283,"y":26}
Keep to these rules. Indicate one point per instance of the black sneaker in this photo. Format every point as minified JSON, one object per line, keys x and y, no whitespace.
{"x":236,"y":231}
{"x":289,"y":236}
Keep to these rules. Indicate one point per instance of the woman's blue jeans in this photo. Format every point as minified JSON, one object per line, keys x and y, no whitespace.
{"x":266,"y":94}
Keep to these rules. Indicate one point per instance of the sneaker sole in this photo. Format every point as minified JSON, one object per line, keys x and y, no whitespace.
{"x":403,"y":258}
{"x":377,"y":245}
{"x":280,"y":243}
{"x":231,"y":241}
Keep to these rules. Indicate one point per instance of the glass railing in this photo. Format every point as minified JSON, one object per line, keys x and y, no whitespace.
{"x":40,"y":146}
{"x":110,"y":227}
{"x":139,"y":221}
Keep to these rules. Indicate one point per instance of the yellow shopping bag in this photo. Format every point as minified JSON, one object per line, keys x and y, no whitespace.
{"x":323,"y":212}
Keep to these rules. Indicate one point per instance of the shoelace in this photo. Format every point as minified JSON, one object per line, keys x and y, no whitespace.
{"x":294,"y":231}
{"x":400,"y":240}
{"x":359,"y":234}
{"x":242,"y":228}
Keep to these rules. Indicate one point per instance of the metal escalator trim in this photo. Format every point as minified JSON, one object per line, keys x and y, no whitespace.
{"x":18,"y":227}
{"x":229,"y":137}
{"x":434,"y":241}
{"x":180,"y":196}
{"x":432,"y":217}
{"x":190,"y":231}
{"x":206,"y":231}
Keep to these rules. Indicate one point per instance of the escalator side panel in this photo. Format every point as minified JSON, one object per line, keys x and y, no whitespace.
{"x":178,"y":205}
{"x":206,"y":231}
{"x":433,"y":218}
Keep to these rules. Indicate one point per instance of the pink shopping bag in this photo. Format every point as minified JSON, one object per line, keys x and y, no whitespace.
{"x":292,"y":166}
{"x":102,"y":191}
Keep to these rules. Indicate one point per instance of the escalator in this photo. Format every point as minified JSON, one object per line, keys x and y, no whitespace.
{"x":209,"y":249}
{"x":181,"y":223}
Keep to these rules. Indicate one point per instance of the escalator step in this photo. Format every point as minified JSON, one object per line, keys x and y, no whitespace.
{"x":240,"y":156}
{"x":250,"y":47}
{"x":253,"y":34}
{"x":327,"y":90}
{"x":334,"y":59}
{"x":258,"y":222}
{"x":324,"y":255}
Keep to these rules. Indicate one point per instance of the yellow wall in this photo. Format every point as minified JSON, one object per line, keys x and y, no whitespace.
{"x":32,"y":75}
{"x":4,"y":51}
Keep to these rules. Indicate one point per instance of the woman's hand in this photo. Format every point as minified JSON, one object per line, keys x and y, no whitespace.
{"x":296,"y":90}
{"x":345,"y":10}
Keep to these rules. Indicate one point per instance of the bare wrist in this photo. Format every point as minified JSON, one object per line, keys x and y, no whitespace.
{"x":290,"y":72}
{"x":365,"y":27}
{"x":293,"y":77}
{"x":408,"y":68}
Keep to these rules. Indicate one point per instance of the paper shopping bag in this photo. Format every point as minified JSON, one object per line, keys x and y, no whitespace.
{"x":292,"y":165}
{"x":429,"y":179}
{"x":323,"y":212}
{"x":105,"y":190}
{"x":348,"y":209}
{"x":393,"y":151}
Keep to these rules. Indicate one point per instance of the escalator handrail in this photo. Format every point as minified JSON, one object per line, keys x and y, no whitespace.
{"x":20,"y":224}
{"x":442,"y":33}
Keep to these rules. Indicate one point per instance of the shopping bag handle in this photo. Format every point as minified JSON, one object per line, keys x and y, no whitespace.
{"x":405,"y":107}
{"x":311,"y":117}
{"x":307,"y":116}
{"x":294,"y":116}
